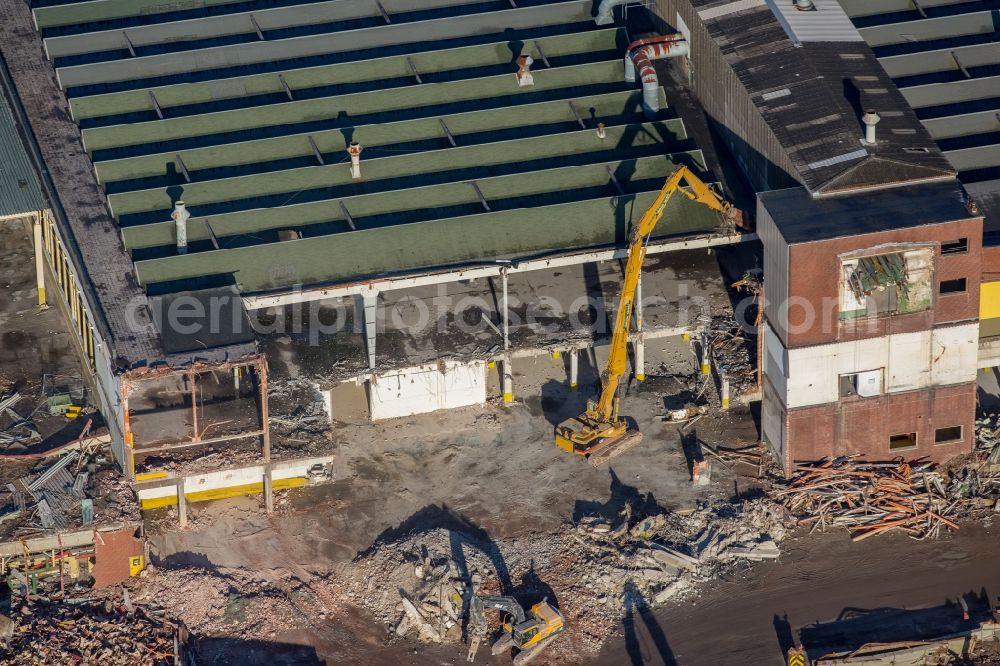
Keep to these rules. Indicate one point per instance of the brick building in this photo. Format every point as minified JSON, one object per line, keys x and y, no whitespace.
{"x":871,"y":333}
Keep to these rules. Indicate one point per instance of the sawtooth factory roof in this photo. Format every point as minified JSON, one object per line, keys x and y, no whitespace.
{"x":944,"y":56}
{"x":245,"y":112}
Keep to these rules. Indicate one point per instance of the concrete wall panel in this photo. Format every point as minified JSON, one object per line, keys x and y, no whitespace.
{"x":427,"y":388}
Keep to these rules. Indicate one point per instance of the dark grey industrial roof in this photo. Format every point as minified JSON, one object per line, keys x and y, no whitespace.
{"x":945,"y":59}
{"x":802,"y":218}
{"x":987,"y":195}
{"x":20,"y":191}
{"x":197,"y":320}
{"x":812,"y":93}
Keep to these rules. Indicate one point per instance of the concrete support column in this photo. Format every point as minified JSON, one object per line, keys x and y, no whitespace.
{"x":507,"y":372}
{"x":182,"y":515}
{"x":39,"y":258}
{"x":370,"y":300}
{"x":706,"y":365}
{"x":507,"y":379}
{"x":268,"y":490}
{"x":640,"y":341}
{"x":574,"y":369}
{"x":265,"y":410}
{"x":725,"y":392}
{"x":503,"y":310}
{"x":193,"y":378}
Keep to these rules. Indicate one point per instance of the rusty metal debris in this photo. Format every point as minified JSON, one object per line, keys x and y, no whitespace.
{"x":46,"y":632}
{"x":871,"y":498}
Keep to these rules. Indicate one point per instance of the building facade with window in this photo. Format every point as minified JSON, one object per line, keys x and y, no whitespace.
{"x":871,"y":322}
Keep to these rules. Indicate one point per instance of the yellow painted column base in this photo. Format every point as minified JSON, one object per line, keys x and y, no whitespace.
{"x":508,"y":397}
{"x":725,"y":403}
{"x":574,"y":387}
{"x":557,"y":354}
{"x":41,"y":295}
{"x":640,"y":378}
{"x":685,"y":337}
{"x":706,"y":369}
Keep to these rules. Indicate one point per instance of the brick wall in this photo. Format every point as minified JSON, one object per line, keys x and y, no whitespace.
{"x":814,"y":279}
{"x":991,"y":263}
{"x":864,"y":425}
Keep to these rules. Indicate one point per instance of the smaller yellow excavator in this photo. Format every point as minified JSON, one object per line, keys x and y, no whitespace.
{"x":599,"y":433}
{"x":529,"y":632}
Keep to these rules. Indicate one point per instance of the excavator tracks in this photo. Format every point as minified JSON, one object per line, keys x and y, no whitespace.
{"x":615,"y":447}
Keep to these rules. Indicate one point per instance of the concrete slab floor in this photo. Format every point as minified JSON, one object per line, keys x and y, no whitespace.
{"x":497,"y":467}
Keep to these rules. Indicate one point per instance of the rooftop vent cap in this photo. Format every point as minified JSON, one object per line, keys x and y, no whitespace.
{"x":870,"y":120}
{"x":180,"y":217}
{"x":804,"y":5}
{"x":524,"y":77}
{"x":354,"y":150}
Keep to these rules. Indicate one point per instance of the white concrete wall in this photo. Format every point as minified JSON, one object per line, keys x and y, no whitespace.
{"x":810,"y":375}
{"x":427,"y":388}
{"x":232,"y":478}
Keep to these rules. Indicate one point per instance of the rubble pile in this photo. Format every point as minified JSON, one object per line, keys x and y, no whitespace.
{"x":594,"y":571}
{"x":732,"y":354}
{"x":44,"y":632}
{"x":225,"y":601}
{"x":609,"y":569}
{"x":297,"y":409}
{"x":871,"y":498}
{"x":975,"y":484}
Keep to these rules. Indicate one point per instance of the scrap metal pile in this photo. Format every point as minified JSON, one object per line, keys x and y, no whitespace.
{"x":871,"y":498}
{"x":43,"y":632}
{"x":74,"y":489}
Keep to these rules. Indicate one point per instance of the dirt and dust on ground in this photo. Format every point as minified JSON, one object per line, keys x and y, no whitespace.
{"x":490,"y":504}
{"x":473,"y":494}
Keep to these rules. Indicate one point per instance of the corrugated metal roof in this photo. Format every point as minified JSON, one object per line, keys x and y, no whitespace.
{"x":20,"y":191}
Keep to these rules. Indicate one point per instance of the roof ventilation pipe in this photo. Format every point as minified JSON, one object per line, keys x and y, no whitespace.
{"x":639,"y":58}
{"x":805,"y":5}
{"x":180,"y":217}
{"x":605,"y":9}
{"x":870,"y":120}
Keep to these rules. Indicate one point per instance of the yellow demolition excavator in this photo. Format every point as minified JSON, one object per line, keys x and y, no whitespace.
{"x":599,"y":433}
{"x":529,"y":632}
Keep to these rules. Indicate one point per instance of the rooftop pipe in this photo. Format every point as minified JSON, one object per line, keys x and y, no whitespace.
{"x":870,"y":120}
{"x":605,"y":9}
{"x":180,"y":217}
{"x":640,"y":56}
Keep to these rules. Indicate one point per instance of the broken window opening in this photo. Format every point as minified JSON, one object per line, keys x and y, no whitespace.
{"x":956,"y":286}
{"x":864,"y":384}
{"x":904,"y":441}
{"x":948,"y":435}
{"x":891,"y":283}
{"x":957,"y":246}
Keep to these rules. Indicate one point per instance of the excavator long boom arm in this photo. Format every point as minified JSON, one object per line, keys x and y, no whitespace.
{"x":682,"y":180}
